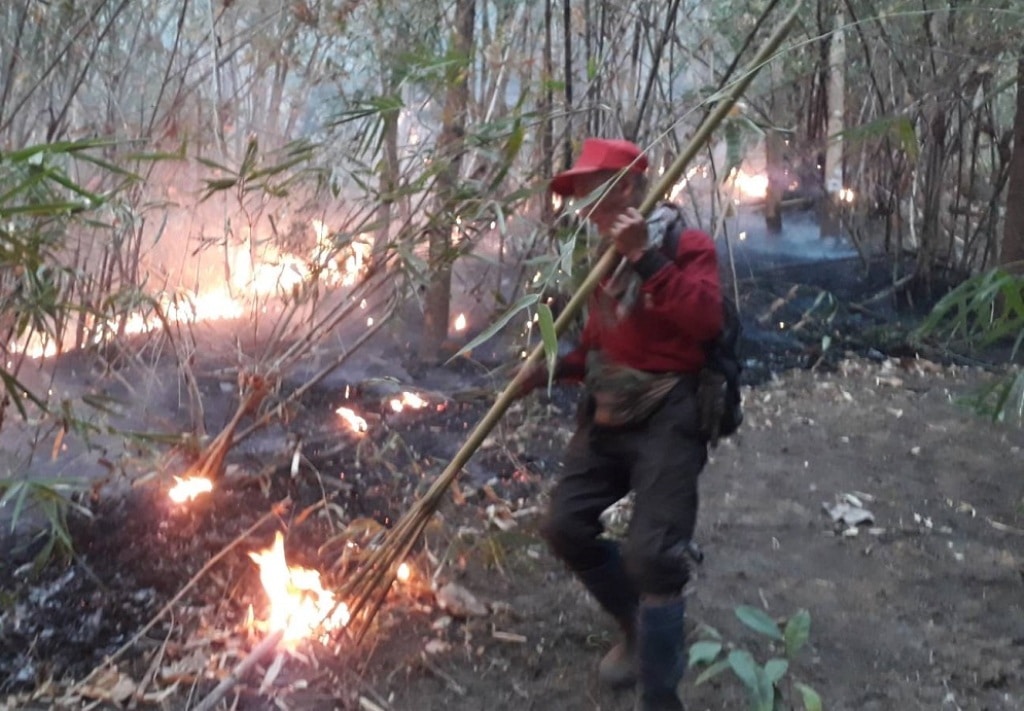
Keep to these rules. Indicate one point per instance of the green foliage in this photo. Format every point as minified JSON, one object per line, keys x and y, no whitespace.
{"x":898,"y":128}
{"x":768,"y":685}
{"x":40,"y":209}
{"x":38,"y":203}
{"x":261,"y":174}
{"x":549,"y":339}
{"x":50,"y":499}
{"x":523,"y":303}
{"x":985,"y":311}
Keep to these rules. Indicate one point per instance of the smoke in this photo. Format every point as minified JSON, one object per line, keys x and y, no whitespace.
{"x":799,"y":241}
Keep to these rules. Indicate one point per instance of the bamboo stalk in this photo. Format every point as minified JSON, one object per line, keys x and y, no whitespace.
{"x":241,"y":669}
{"x":378,"y":571}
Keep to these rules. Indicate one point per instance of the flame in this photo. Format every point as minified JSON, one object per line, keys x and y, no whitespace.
{"x":299,"y":604}
{"x":189,"y":488}
{"x":460,"y":322}
{"x":357,"y":423}
{"x":274,"y":273}
{"x":403,"y":573}
{"x":408,"y":400}
{"x":751,"y":186}
{"x":847,"y":195}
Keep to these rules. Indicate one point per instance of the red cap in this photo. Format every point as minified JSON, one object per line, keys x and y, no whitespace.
{"x":601,"y":154}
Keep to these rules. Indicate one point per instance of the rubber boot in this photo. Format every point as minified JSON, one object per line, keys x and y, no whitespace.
{"x":662,"y":654}
{"x":613,"y":590}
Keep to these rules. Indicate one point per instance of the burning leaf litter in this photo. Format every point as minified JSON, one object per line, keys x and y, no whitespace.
{"x":188,"y":488}
{"x":299,"y":604}
{"x":355,"y":422}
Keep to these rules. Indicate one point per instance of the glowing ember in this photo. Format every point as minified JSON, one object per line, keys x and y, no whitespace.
{"x":408,"y":400}
{"x":189,"y":488}
{"x":299,"y":604}
{"x":357,"y":423}
{"x":460,"y":322}
{"x":403,"y":573}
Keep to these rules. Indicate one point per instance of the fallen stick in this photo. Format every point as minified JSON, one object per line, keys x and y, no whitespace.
{"x":275,"y":512}
{"x":241,"y":669}
{"x":369,"y":584}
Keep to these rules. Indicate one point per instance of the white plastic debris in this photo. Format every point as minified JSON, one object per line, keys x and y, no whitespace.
{"x":849,"y":510}
{"x":436,"y":646}
{"x":459,"y":602}
{"x":501,"y":517}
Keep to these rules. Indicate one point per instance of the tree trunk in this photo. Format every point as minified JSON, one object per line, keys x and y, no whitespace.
{"x":547,"y":129}
{"x":390,"y":169}
{"x":450,"y":146}
{"x":776,"y":169}
{"x":830,"y":224}
{"x":1013,"y":228}
{"x":928,"y":253}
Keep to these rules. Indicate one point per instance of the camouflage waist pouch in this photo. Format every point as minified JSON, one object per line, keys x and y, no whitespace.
{"x":622,"y":395}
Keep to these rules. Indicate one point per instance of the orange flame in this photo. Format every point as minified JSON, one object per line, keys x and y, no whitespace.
{"x":189,"y":488}
{"x":299,"y":604}
{"x":751,"y":186}
{"x":408,"y":400}
{"x":357,"y":423}
{"x":403,"y":573}
{"x":460,"y":322}
{"x":273,"y":273}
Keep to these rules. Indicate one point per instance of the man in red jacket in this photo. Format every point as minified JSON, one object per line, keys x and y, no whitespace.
{"x":642,"y":346}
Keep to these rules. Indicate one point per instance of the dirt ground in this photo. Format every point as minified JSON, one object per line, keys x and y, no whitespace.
{"x":921,"y":609}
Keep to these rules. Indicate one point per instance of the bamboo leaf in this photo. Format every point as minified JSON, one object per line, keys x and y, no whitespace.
{"x":899,"y":127}
{"x":249,"y":160}
{"x":19,"y":503}
{"x":711,"y":672}
{"x":51,"y":209}
{"x":761,"y":690}
{"x":811,"y":699}
{"x":775,"y":669}
{"x":549,"y":338}
{"x":758,"y":621}
{"x":704,"y":652}
{"x":19,"y":392}
{"x":797,"y":632}
{"x":523,"y":302}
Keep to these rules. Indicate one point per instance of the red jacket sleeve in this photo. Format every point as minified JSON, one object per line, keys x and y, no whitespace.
{"x":686,"y":292}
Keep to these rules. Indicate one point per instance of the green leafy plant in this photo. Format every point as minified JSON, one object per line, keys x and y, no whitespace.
{"x":45,"y":296}
{"x":770,"y":684}
{"x":985,"y":311}
{"x":50,"y":499}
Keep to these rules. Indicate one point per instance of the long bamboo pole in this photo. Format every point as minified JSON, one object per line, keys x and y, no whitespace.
{"x":379,"y":568}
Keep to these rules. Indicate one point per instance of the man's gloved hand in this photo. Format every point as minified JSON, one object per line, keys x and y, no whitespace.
{"x":535,"y":376}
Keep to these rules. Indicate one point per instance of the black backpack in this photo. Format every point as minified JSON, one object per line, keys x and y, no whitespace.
{"x":724,"y":361}
{"x":719,"y":397}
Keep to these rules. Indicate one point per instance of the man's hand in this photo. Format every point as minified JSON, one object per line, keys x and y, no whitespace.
{"x":536,"y":376}
{"x":629,"y":233}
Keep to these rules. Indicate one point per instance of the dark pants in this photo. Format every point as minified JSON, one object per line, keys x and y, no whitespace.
{"x":660,"y":460}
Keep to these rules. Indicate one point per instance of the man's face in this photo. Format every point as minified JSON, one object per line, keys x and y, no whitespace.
{"x":607,"y":202}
